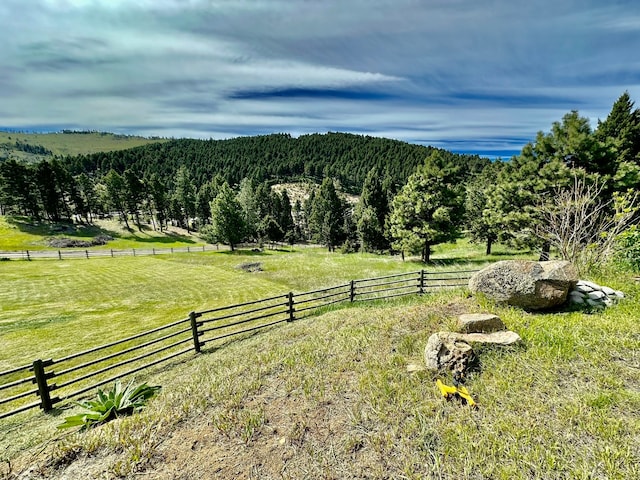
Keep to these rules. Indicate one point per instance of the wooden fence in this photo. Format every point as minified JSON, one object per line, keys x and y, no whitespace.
{"x":56,"y":381}
{"x":64,"y":254}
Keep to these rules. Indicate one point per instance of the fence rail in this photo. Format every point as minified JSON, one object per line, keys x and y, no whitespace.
{"x":68,"y":254}
{"x":56,"y":381}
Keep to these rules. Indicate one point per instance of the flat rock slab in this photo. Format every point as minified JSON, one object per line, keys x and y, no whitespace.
{"x":480,"y":323}
{"x":505,"y":337}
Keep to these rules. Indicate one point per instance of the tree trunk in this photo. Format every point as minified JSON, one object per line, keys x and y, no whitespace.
{"x":544,"y":254}
{"x":426,"y":252}
{"x":489,"y":243}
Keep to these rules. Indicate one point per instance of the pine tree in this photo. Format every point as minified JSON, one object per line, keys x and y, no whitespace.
{"x":428,"y":209}
{"x":371,"y":213}
{"x":227,"y":222}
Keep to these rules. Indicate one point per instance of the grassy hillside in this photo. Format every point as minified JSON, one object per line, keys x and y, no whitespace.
{"x":17,"y":233}
{"x":327,"y":396}
{"x":331,"y":397}
{"x":66,"y":144}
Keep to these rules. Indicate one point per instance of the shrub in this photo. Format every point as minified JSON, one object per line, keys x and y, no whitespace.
{"x":628,"y":248}
{"x":117,"y":402}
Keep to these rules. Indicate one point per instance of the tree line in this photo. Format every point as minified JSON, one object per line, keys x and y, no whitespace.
{"x":411,"y":197}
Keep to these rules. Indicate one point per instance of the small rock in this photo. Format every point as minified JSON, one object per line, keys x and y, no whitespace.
{"x":576,"y":299}
{"x":607,"y":301}
{"x":608,"y":290}
{"x":480,"y":323}
{"x":593,"y":286}
{"x":619,"y":294}
{"x":445,"y":350}
{"x":596,"y":295}
{"x":583,"y":288}
{"x":505,"y":337}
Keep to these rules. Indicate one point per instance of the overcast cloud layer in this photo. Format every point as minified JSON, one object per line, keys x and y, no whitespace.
{"x":466,"y":75}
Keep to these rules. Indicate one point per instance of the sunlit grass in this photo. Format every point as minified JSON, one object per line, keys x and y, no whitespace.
{"x":327,"y":396}
{"x":75,"y":144}
{"x":330,"y":396}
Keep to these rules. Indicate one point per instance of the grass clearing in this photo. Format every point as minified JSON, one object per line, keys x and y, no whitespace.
{"x":18,"y":233}
{"x":70,"y":143}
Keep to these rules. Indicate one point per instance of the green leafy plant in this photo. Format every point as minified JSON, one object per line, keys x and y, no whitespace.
{"x":116,"y":402}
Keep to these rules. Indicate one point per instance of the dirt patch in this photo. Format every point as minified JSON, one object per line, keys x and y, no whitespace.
{"x":65,"y":242}
{"x":250,"y":267}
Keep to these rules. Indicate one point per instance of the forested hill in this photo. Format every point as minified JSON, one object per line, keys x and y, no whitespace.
{"x":276,"y":157}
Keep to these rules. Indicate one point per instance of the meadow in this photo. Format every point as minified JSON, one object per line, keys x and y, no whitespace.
{"x":328,"y":396}
{"x":62,"y":144}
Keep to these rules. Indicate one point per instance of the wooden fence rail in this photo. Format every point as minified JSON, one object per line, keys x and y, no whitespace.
{"x":56,"y":381}
{"x":64,"y":254}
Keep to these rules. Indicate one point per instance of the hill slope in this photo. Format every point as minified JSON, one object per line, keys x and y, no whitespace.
{"x":39,"y":146}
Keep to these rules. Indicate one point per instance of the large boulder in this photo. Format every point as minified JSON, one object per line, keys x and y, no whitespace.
{"x":526,"y":284}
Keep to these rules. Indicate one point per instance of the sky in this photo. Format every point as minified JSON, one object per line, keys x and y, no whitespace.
{"x":466,"y":75}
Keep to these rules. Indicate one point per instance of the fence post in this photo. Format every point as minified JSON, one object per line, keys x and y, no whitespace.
{"x":352,"y":291}
{"x":112,"y":253}
{"x":134,"y":251}
{"x":87,"y":253}
{"x":59,"y":255}
{"x":28,"y":257}
{"x":43,"y":388}
{"x":154,"y":251}
{"x":188,"y":251}
{"x":193,"y":316}
{"x":421,"y":287}
{"x":290,"y":308}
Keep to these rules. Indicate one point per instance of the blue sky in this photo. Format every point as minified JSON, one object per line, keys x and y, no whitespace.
{"x":470,"y":76}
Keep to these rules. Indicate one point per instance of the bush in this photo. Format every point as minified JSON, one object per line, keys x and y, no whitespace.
{"x":116,"y":402}
{"x":628,"y":248}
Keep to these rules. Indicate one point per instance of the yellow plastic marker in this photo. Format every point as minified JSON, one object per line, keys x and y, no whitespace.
{"x":449,"y":391}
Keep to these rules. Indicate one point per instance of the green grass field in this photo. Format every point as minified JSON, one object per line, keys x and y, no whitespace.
{"x":327,"y":396}
{"x":17,"y":233}
{"x":68,"y":143}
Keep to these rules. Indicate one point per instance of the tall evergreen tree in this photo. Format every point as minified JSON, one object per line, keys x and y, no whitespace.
{"x":428,"y":209}
{"x":371,"y":213}
{"x":117,"y":195}
{"x":620,"y":134}
{"x":185,"y":195}
{"x":326,"y":221}
{"x":227,"y":221}
{"x":135,"y":193}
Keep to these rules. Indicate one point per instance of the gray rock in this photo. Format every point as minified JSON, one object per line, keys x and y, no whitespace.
{"x":445,"y":351}
{"x":593,"y":303}
{"x":619,"y":294}
{"x":596,"y":295}
{"x":587,"y":283}
{"x":583,"y":288}
{"x":526,"y":284}
{"x":576,"y":298}
{"x":480,"y":323}
{"x":609,"y":291}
